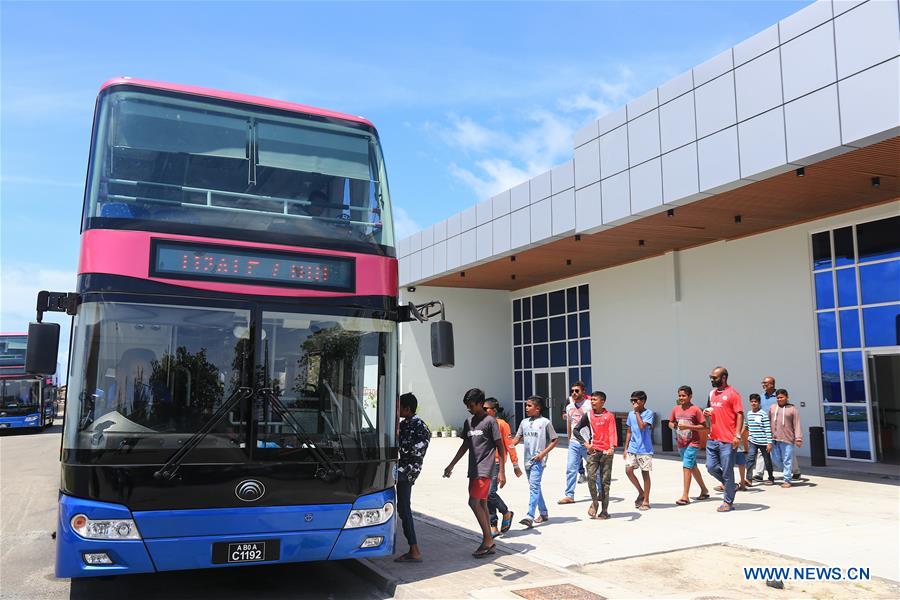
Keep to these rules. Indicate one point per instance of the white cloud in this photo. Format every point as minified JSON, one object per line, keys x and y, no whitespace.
{"x":404,"y":225}
{"x":518,"y":146}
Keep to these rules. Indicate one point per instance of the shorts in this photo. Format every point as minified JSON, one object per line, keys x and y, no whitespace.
{"x":479,"y":487}
{"x":740,"y":459}
{"x":642,"y":461}
{"x":688,"y":456}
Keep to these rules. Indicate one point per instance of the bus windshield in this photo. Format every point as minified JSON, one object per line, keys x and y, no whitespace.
{"x":153,"y":374}
{"x":19,"y":394}
{"x":204,"y":164}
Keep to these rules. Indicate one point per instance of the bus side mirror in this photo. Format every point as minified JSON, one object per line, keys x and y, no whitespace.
{"x":442,"y":344}
{"x":43,"y":346}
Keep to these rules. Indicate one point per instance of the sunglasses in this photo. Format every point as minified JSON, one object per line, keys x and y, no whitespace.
{"x":634,"y":400}
{"x":575,"y":391}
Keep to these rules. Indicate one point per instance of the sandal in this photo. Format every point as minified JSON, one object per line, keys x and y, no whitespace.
{"x":703,"y":496}
{"x":719,"y":488}
{"x":406,"y":558}
{"x":644,"y":507}
{"x":592,"y":511}
{"x":725,"y":507}
{"x":527,"y":522}
{"x":682,"y":502}
{"x":506,"y":523}
{"x":484,"y":551}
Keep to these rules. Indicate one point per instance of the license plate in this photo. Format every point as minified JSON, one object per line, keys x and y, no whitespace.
{"x":245,"y":552}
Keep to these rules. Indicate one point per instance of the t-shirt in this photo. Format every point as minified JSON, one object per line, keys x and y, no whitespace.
{"x":726,"y":405}
{"x":602,"y":428}
{"x":504,"y":435}
{"x":641,"y":441}
{"x":576,"y":411}
{"x":536,"y":433}
{"x":689,"y":414}
{"x":483,"y":437}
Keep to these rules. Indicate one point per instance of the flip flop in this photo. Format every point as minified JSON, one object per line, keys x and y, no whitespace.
{"x":725,"y":507}
{"x":482,"y":552}
{"x":644,"y":507}
{"x":505,"y":524}
{"x":703,"y":497}
{"x":681,"y":502}
{"x":527,"y":522}
{"x":406,"y":558}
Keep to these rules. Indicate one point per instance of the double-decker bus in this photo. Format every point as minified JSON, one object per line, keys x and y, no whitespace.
{"x":233,"y":376}
{"x":26,"y":400}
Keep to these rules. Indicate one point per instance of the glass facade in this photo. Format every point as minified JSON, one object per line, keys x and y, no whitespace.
{"x":856,"y":280}
{"x":550,"y":331}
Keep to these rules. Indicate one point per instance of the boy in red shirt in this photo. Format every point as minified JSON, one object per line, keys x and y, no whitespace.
{"x":687,"y":421}
{"x":600,"y":449}
{"x":726,"y":410}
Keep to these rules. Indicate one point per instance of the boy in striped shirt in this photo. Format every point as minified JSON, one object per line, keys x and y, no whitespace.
{"x":760,"y":438}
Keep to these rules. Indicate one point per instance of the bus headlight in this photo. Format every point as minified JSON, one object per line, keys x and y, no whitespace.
{"x":31,"y":418}
{"x":367,"y":517}
{"x":105,"y":529}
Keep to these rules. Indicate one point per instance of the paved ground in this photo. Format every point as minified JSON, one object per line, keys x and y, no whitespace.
{"x":29,"y":480}
{"x":825,"y":520}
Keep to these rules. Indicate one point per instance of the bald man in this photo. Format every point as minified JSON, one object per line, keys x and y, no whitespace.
{"x":726,"y":411}
{"x":768,"y":399}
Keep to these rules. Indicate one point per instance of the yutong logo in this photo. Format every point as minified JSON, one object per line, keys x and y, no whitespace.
{"x":250,"y":490}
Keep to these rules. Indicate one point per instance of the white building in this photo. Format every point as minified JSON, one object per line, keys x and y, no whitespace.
{"x":743,"y":214}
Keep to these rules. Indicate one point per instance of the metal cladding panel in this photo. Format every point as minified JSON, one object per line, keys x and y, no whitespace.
{"x":812,"y":124}
{"x":807,"y":62}
{"x":866,"y":36}
{"x":869,"y":102}
{"x":758,"y":85}
{"x":804,"y":19}
{"x":762,"y":144}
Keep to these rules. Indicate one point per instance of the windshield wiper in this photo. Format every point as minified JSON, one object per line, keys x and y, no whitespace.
{"x":329,"y":472}
{"x":168,"y":470}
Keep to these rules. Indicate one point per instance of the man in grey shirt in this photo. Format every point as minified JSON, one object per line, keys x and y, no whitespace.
{"x":481,"y":438}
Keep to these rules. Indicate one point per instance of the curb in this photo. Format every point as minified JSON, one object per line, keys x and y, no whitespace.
{"x":368,"y":570}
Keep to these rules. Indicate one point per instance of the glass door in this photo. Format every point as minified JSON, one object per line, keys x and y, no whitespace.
{"x":884,"y":396}
{"x":551,"y":384}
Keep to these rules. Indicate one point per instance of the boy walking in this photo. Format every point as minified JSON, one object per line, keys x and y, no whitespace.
{"x":687,"y":421}
{"x":414,"y":439}
{"x":639,"y":447}
{"x":481,"y":438}
{"x":760,"y":440}
{"x":786,"y":433}
{"x":540,"y":438}
{"x":602,"y":427}
{"x":576,"y":408}
{"x":495,"y":502}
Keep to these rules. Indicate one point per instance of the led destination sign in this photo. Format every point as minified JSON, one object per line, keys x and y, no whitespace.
{"x":258,"y":267}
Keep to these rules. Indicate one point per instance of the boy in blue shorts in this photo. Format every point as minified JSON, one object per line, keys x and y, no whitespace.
{"x":687,"y":421}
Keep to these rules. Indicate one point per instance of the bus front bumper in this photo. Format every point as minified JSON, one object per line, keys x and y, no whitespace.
{"x":32,"y":420}
{"x":208,"y":538}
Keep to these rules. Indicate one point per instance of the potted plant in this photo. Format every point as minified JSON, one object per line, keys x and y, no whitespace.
{"x":453,"y":432}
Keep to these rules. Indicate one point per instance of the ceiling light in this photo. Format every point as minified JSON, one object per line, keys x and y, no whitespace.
{"x":737,"y":219}
{"x":876,"y":182}
{"x":801,"y":172}
{"x":640,"y":242}
{"x":670,"y":212}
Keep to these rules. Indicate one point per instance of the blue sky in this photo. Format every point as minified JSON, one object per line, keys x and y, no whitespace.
{"x":469,"y":98}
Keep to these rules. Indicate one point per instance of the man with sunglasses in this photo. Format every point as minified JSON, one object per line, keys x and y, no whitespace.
{"x":575,"y":409}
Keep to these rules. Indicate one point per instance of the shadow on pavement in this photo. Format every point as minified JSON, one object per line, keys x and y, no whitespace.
{"x":264,"y":582}
{"x":54,"y":429}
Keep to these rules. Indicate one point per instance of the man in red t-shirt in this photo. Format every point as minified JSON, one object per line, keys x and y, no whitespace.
{"x":726,"y":411}
{"x":687,"y":421}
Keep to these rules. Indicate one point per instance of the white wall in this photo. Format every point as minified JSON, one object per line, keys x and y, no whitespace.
{"x":746,"y":304}
{"x":483,"y":340}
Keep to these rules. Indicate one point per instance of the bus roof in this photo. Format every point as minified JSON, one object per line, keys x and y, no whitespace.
{"x":243,"y":98}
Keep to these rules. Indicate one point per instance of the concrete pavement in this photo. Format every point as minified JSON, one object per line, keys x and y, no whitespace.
{"x":823,"y":520}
